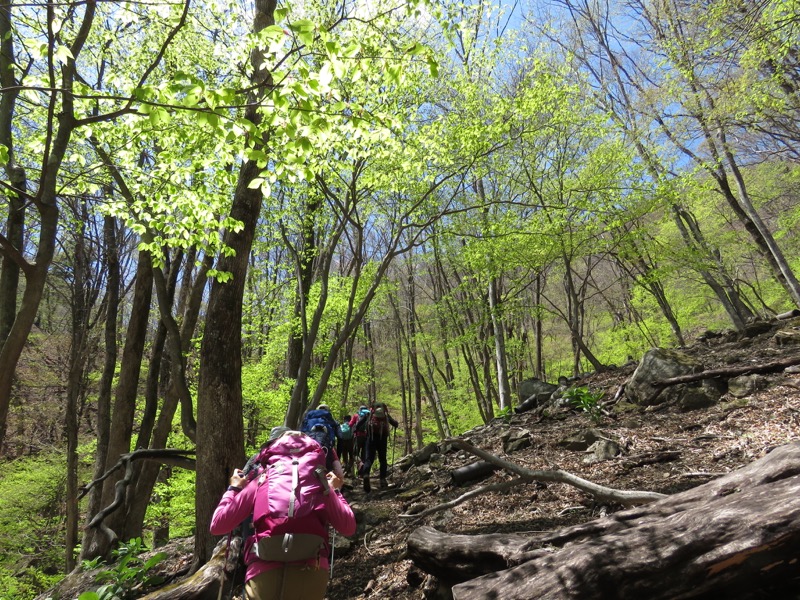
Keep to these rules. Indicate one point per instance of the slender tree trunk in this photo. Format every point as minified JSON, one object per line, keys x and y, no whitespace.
{"x":111,"y":303}
{"x":413,"y":357}
{"x":59,"y":127}
{"x":121,"y":431}
{"x":432,"y":392}
{"x":146,"y":473}
{"x":501,"y":361}
{"x":405,"y":393}
{"x":369,"y":348}
{"x":17,"y":179}
{"x":575,"y":320}
{"x":75,"y":380}
{"x":783,"y":271}
{"x":151,"y":471}
{"x":304,"y":265}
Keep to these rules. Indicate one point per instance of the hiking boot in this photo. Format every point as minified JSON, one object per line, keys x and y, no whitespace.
{"x":384,"y":484}
{"x":367,"y":487}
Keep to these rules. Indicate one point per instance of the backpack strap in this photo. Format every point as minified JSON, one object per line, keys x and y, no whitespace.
{"x":295,"y":483}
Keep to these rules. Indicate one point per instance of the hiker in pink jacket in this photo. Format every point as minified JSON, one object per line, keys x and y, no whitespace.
{"x":305,"y":579}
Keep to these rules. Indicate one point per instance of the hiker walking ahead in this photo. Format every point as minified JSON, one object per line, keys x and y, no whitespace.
{"x":345,"y":446}
{"x":292,"y":499}
{"x":377,"y":442}
{"x":358,"y":423}
{"x":320,"y":425}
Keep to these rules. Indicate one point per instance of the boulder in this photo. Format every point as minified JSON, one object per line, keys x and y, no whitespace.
{"x":532,"y":387}
{"x":659,"y":364}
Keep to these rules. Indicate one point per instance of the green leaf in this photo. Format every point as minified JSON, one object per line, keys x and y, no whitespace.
{"x":3,"y":155}
{"x":159,"y":116}
{"x":63,"y":55}
{"x":325,"y":75}
{"x":154,"y":560}
{"x":433,"y":66}
{"x":304,"y":29}
{"x":415,"y":48}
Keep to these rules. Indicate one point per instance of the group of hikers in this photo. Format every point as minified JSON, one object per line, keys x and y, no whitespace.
{"x":290,"y":492}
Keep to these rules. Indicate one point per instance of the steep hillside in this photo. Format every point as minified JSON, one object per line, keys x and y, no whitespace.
{"x":663,"y":450}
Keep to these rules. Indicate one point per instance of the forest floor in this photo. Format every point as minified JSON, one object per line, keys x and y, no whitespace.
{"x":663,"y":450}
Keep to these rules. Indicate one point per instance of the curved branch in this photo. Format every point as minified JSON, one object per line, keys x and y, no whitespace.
{"x":167,"y":456}
{"x":599,"y":492}
{"x":8,"y":249}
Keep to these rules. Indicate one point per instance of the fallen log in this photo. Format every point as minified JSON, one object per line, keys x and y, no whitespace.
{"x":209,"y":582}
{"x":736,"y":537}
{"x":729,"y":372}
{"x":471,"y":472}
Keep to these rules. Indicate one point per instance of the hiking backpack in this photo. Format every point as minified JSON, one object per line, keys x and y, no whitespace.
{"x":345,"y":432}
{"x":320,"y":426}
{"x":289,"y":511}
{"x":379,"y":421}
{"x":363,"y":420}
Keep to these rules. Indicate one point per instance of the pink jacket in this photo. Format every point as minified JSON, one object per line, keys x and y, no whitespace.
{"x":234,"y":507}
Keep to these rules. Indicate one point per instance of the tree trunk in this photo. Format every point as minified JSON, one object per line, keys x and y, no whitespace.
{"x":220,"y":434}
{"x":413,"y":356}
{"x":501,"y":363}
{"x":81,"y":303}
{"x":210,"y":582}
{"x":147,"y":473}
{"x":734,"y":537}
{"x":17,"y":179}
{"x":103,"y":425}
{"x":121,"y":428}
{"x":61,"y":124}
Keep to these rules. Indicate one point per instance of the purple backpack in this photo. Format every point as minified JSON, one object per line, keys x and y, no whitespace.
{"x":289,"y":513}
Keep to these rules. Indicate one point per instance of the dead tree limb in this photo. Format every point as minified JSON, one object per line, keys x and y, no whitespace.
{"x":599,"y":492}
{"x":168,"y":456}
{"x":728,"y":372}
{"x":735,"y":537}
{"x":210,"y":581}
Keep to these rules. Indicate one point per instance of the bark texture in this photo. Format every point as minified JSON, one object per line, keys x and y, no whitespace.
{"x":735,"y":537}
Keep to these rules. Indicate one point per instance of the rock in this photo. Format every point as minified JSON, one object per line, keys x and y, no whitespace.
{"x":659,"y":364}
{"x":533,"y":387}
{"x":745,"y":385}
{"x":515,"y":440}
{"x":582,"y":441}
{"x":786,"y":337}
{"x":603,"y":450}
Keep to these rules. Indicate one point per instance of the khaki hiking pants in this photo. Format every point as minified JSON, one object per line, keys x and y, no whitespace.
{"x":296,"y":582}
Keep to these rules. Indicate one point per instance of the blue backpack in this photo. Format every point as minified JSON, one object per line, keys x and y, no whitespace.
{"x":345,"y":432}
{"x":321,"y":426}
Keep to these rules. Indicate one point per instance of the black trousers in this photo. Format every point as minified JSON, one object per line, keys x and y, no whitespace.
{"x":377,"y":446}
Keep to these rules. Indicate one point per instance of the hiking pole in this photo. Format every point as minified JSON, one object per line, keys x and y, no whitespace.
{"x":394,"y":444}
{"x":333,"y":551}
